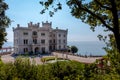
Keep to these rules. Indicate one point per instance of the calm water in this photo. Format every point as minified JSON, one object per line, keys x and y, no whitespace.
{"x":87,"y":48}
{"x":8,"y":44}
{"x":84,"y":48}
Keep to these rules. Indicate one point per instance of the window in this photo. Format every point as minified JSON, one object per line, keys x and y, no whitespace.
{"x":34,"y":33}
{"x":59,"y":35}
{"x":25,"y":41}
{"x":64,"y":46}
{"x":59,"y":47}
{"x":16,"y":41}
{"x":50,"y":41}
{"x":25,"y":33}
{"x":53,"y":35}
{"x":35,"y":41}
{"x":53,"y":40}
{"x":59,"y":41}
{"x":54,"y":47}
{"x":42,"y":34}
{"x":43,"y":49}
{"x":64,"y":41}
{"x":16,"y":49}
{"x":64,"y":35}
{"x":25,"y":50}
{"x":50,"y":47}
{"x":43,"y":41}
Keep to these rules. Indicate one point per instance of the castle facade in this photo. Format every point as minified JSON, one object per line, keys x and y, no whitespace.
{"x":39,"y":39}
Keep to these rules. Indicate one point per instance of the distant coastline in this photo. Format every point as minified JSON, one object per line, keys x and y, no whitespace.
{"x":85,"y":47}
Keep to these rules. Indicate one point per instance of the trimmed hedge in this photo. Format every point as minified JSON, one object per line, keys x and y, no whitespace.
{"x":50,"y":58}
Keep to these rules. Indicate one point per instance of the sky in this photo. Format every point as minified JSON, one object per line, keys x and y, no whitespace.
{"x":23,"y":11}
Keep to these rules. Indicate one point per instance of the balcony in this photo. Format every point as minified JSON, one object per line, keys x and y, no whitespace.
{"x":34,"y":36}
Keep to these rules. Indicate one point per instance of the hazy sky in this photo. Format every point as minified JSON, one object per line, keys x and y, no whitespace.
{"x":24,"y":11}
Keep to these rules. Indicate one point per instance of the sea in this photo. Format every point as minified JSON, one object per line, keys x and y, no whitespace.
{"x":89,"y":47}
{"x":84,"y":47}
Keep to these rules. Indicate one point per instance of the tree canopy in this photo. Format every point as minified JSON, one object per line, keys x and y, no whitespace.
{"x":74,"y":49}
{"x":4,"y":22}
{"x":96,"y":13}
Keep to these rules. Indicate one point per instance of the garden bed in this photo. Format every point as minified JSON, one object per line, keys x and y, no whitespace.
{"x":51,"y":59}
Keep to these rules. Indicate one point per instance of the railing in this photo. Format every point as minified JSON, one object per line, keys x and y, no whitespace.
{"x":6,"y":50}
{"x":34,"y":36}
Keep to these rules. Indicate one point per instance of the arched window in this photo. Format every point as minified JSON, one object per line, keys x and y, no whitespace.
{"x":34,"y":33}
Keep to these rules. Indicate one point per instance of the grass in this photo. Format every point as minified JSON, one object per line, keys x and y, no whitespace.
{"x":50,"y":58}
{"x":26,"y":56}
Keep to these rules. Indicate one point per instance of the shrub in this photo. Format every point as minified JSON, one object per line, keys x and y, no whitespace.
{"x":74,"y":49}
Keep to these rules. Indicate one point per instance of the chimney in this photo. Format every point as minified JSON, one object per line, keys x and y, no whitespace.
{"x":31,"y":23}
{"x":56,"y":27}
{"x":18,"y":25}
{"x":38,"y":24}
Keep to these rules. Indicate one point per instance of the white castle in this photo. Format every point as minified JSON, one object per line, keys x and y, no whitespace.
{"x":38,"y":39}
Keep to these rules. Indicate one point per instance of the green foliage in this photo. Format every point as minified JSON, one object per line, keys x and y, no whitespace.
{"x":23,"y":70}
{"x":103,"y":13}
{"x":113,"y":55}
{"x":65,"y":70}
{"x":4,"y":22}
{"x":74,"y":49}
{"x":50,"y":58}
{"x":47,"y":58}
{"x":47,"y":4}
{"x":95,"y":13}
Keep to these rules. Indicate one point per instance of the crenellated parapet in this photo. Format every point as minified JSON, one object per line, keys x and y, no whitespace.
{"x":47,"y":24}
{"x":30,"y":25}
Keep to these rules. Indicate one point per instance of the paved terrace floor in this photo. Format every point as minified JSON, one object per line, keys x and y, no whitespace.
{"x":76,"y":58}
{"x":9,"y":58}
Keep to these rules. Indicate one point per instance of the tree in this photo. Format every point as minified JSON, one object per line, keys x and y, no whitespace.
{"x":96,"y":13}
{"x":4,"y":22}
{"x":74,"y":49}
{"x":113,"y":54}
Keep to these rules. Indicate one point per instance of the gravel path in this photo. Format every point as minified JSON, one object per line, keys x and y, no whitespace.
{"x":76,"y":58}
{"x":8,"y":58}
{"x":34,"y":59}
